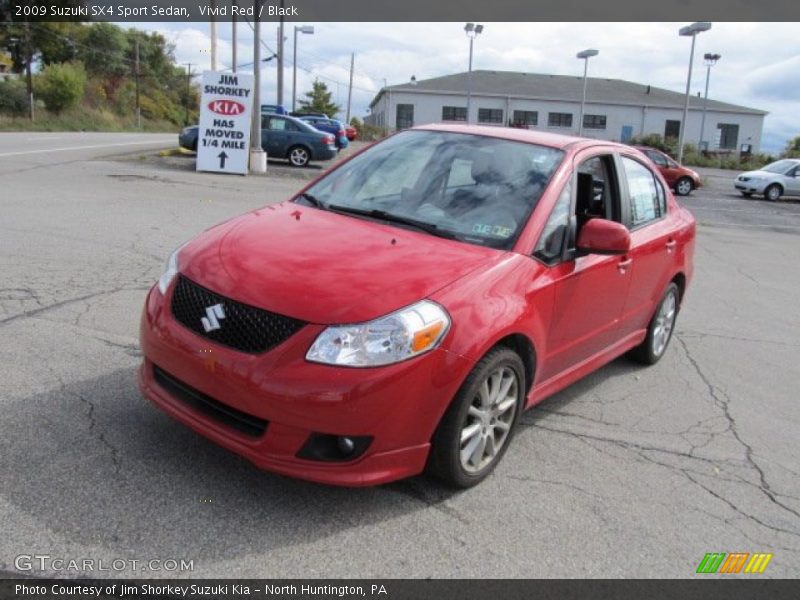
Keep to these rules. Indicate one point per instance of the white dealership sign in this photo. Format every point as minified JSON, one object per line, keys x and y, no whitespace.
{"x":223,"y":141}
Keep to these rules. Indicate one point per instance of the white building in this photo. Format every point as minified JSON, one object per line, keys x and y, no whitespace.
{"x":615,"y":109}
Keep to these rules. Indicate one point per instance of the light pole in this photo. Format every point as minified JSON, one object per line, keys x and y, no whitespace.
{"x":585,"y":55}
{"x":258,"y":158}
{"x":710,"y":60}
{"x":472,"y":30}
{"x":689,"y":31}
{"x":307,"y":29}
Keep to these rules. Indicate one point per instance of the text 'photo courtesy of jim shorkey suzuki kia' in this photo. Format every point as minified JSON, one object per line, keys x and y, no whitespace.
{"x":398,"y":314}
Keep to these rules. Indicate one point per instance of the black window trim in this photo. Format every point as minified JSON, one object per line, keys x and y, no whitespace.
{"x":618,"y":186}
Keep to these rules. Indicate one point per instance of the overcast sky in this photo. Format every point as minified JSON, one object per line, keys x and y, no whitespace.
{"x":760,"y":65}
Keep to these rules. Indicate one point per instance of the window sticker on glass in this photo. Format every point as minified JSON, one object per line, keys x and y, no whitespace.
{"x":495,"y":230}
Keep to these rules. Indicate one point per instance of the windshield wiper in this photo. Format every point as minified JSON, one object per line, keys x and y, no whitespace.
{"x":313,"y":200}
{"x":393,"y":218}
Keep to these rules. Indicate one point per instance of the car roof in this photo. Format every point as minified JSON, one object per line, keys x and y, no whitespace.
{"x":530,"y":136}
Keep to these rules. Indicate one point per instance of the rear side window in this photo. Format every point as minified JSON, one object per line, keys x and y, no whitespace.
{"x":646,"y":200}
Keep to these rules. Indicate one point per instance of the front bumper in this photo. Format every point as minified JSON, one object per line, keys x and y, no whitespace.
{"x":751,"y":187}
{"x":399,"y":406}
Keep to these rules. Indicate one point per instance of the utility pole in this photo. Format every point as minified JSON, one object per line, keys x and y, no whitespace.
{"x":188,"y":90}
{"x":233,"y":34}
{"x":136,"y":75}
{"x":28,"y":61}
{"x":350,"y":89}
{"x":213,"y":25}
{"x":258,"y":158}
{"x":280,"y":57}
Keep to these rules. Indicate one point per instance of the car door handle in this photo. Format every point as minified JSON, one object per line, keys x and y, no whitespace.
{"x":671,"y":245}
{"x":624,"y":264}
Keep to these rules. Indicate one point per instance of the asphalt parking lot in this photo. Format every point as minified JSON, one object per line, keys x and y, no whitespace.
{"x":633,"y":472}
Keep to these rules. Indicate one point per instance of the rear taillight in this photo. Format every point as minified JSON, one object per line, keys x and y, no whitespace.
{"x":329,"y":139}
{"x":341,"y":132}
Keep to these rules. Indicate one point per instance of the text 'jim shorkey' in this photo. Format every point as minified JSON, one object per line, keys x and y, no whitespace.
{"x":735,"y":562}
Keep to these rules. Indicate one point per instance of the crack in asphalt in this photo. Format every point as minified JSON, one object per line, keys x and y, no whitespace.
{"x":36,"y":311}
{"x":723,"y":405}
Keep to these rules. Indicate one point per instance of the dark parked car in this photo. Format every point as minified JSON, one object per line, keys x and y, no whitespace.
{"x":282,"y":137}
{"x":681,"y":179}
{"x":331,"y":126}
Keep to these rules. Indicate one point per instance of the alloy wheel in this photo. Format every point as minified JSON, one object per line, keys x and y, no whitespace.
{"x":684,"y":187}
{"x":298,"y":157}
{"x":489,"y":419}
{"x":665,"y":320}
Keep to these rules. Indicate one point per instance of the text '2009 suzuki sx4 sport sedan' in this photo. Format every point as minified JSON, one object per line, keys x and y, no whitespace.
{"x":400,"y":312}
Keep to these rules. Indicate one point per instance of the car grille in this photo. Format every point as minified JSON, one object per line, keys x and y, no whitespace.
{"x":236,"y":325}
{"x":224,"y":414}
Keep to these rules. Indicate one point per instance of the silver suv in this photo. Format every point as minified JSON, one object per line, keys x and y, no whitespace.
{"x":781,"y":178}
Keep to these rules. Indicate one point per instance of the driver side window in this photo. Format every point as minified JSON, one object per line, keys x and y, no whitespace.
{"x":592,"y":193}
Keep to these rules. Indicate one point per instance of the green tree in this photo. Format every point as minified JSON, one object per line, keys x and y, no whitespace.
{"x":319,"y":100}
{"x":792,"y":149}
{"x":61,"y":86}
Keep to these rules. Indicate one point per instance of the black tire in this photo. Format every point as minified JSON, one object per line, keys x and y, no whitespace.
{"x":773,"y":192}
{"x":445,"y":460}
{"x":299,"y":156}
{"x":684,"y":186}
{"x":650,"y":351}
{"x":747,"y":194}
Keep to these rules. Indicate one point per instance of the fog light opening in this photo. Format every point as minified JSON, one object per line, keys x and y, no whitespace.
{"x":346,"y":445}
{"x":328,"y":447}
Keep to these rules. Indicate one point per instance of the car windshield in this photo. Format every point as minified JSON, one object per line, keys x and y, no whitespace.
{"x":780,"y":166}
{"x":477,"y":189}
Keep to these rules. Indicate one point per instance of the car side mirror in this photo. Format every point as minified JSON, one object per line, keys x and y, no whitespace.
{"x":601,"y":236}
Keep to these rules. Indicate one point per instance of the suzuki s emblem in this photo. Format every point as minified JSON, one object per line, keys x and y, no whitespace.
{"x":213,"y":315}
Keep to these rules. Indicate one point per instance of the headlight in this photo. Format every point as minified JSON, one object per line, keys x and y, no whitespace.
{"x":170,"y":270}
{"x":400,"y":335}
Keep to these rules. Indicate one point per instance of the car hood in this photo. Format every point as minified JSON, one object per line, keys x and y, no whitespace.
{"x":324,"y":267}
{"x":762,"y":174}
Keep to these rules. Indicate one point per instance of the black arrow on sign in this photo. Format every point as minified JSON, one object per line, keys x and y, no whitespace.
{"x":222,"y":156}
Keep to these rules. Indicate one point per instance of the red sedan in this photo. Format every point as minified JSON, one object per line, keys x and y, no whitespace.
{"x":681,"y":179}
{"x":402,"y":311}
{"x":350,"y":131}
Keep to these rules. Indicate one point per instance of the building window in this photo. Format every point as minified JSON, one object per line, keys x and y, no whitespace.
{"x":728,"y":136}
{"x":594,"y":121}
{"x":490,"y":115}
{"x":405,"y":116}
{"x":672,"y":129}
{"x":559,"y":119}
{"x":454,"y":113}
{"x":526,"y":118}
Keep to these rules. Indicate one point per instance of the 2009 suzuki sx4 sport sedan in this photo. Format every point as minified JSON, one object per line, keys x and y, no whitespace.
{"x":401,"y":312}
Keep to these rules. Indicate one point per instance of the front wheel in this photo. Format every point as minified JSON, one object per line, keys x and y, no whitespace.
{"x":299,"y":156}
{"x":478,"y":426}
{"x":684,"y":186}
{"x":659,"y":332}
{"x":773,"y":192}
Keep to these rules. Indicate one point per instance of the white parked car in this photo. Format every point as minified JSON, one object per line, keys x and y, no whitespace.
{"x":781,"y":178}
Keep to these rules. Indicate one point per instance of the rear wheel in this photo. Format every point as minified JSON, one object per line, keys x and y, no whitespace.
{"x":299,"y":156}
{"x":684,"y":186}
{"x":659,"y":332}
{"x":477,"y":427}
{"x":773,"y":192}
